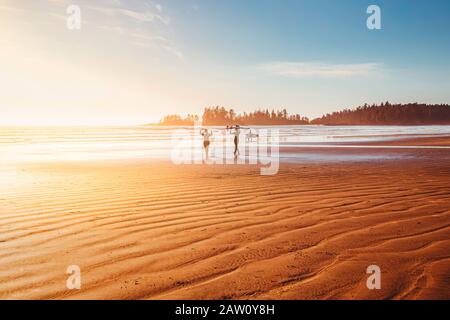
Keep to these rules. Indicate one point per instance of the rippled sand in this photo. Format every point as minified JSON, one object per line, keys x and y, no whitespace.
{"x":153,"y":230}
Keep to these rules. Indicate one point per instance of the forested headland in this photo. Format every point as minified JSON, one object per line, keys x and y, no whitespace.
{"x":382,"y":114}
{"x":389,"y":114}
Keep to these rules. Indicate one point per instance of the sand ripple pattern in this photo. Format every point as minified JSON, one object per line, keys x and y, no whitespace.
{"x":159,"y":231}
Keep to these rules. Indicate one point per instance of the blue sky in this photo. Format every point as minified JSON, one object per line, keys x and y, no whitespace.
{"x":135,"y":61}
{"x":321,"y":30}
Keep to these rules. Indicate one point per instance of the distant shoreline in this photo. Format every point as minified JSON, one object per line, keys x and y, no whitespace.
{"x":384,"y":114}
{"x":310,"y":124}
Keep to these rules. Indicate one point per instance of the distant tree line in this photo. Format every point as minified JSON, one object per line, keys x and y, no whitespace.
{"x":176,"y":120}
{"x":383,"y":114}
{"x":219,"y":116}
{"x":389,"y":114}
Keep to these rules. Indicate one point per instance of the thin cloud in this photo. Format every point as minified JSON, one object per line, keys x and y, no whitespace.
{"x":146,"y":41}
{"x":320,"y":70}
{"x":135,"y":25}
{"x":146,"y":16}
{"x":139,"y":39}
{"x":115,"y":8}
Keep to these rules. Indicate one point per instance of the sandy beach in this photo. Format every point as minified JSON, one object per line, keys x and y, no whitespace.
{"x":225,"y":151}
{"x":154,"y":230}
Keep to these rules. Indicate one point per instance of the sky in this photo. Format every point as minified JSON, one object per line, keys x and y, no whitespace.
{"x":132,"y":62}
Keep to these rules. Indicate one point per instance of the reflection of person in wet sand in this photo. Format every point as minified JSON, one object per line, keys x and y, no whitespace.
{"x":206,"y":141}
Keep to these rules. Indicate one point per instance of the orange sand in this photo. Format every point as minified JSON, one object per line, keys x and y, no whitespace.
{"x":159,"y":231}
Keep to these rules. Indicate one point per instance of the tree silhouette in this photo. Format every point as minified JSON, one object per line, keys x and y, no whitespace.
{"x":389,"y":114}
{"x":383,"y":114}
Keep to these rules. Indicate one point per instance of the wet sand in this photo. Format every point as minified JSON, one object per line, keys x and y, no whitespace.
{"x":154,"y":230}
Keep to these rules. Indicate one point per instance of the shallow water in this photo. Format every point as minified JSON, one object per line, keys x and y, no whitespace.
{"x":38,"y":144}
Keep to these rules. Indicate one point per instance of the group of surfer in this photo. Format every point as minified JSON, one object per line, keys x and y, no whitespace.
{"x":234,"y":130}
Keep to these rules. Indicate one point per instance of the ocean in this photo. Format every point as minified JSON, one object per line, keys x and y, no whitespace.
{"x":44,"y":144}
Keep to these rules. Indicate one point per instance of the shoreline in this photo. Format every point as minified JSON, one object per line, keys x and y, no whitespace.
{"x":398,"y":149}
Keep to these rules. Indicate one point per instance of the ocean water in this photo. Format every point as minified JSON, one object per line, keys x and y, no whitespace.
{"x":40,"y":144}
